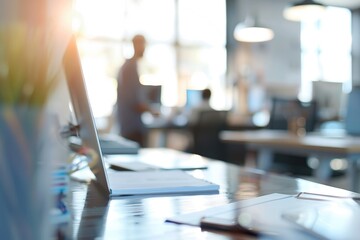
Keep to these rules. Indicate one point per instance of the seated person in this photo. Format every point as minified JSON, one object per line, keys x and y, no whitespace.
{"x":204,"y":105}
{"x":205,"y":124}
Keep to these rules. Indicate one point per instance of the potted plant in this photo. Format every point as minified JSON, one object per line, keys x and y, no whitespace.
{"x":28,"y":77}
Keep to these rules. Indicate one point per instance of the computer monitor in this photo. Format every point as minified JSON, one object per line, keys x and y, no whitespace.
{"x":193,"y":98}
{"x":328,"y":97}
{"x":352,"y":116}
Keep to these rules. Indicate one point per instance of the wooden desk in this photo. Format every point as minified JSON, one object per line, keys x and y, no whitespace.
{"x":94,"y":216}
{"x":163,"y":127}
{"x":321,"y":146}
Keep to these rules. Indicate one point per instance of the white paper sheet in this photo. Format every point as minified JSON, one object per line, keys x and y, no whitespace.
{"x":271,"y":213}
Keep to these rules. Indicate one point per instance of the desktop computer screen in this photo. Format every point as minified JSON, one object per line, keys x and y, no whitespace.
{"x":193,"y":98}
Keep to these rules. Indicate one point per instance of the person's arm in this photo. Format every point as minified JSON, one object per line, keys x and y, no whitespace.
{"x":142,"y":107}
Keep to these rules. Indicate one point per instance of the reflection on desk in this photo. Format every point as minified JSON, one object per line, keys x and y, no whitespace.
{"x":158,"y":159}
{"x":139,"y":217}
{"x":317,"y":145}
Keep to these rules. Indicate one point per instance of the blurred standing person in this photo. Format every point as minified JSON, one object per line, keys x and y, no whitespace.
{"x":131,"y":100}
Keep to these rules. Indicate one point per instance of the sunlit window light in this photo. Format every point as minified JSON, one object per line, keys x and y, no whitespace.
{"x":111,"y":25}
{"x":99,"y":18}
{"x":102,"y":94}
{"x":198,"y":81}
{"x":326,"y":50}
{"x":77,"y":23}
{"x":150,"y":79}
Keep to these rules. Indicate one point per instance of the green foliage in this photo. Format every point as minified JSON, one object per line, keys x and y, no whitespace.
{"x":26,"y":75}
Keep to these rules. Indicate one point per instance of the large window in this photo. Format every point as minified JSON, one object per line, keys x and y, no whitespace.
{"x":326,"y":50}
{"x":185,"y":50}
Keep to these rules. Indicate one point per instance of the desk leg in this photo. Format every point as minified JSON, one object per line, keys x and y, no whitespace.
{"x":353,"y":172}
{"x":163,"y":138}
{"x":156,"y":138}
{"x":160,"y":137}
{"x":265,"y":159}
{"x":323,"y":171}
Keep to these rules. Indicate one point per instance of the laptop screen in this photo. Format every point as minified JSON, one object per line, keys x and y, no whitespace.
{"x":82,"y":109}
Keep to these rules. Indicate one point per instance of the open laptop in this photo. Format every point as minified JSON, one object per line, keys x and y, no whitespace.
{"x":116,"y":183}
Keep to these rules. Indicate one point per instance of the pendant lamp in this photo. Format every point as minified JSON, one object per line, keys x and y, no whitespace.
{"x":307,"y":9}
{"x":250,"y":31}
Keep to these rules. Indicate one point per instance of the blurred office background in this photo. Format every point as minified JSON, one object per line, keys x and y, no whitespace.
{"x":191,"y":46}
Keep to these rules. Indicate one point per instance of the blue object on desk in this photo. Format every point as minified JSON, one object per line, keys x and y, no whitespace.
{"x":113,"y":144}
{"x":352,"y":118}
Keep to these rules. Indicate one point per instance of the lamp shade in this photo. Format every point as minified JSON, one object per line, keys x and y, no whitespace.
{"x":307,"y":9}
{"x":249,"y":31}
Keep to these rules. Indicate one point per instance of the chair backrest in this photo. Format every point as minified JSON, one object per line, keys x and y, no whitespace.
{"x":206,"y":133}
{"x":283,"y":109}
{"x":211,"y":118}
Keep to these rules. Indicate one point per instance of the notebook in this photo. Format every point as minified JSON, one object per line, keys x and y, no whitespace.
{"x":117,"y":183}
{"x":166,"y":159}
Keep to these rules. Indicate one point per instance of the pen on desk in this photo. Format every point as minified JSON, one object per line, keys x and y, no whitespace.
{"x":317,"y":196}
{"x":213,"y":223}
{"x":234,"y":226}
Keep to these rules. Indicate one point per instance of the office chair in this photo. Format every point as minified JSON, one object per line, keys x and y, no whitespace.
{"x":282,"y":110}
{"x":206,"y":134}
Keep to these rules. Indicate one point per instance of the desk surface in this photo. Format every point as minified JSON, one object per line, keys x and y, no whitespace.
{"x":143,"y":217}
{"x":284,"y":139}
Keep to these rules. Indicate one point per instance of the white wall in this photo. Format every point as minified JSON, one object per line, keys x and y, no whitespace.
{"x":279,"y":60}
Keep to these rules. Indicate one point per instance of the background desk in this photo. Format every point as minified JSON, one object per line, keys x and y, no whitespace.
{"x":321,"y":146}
{"x":163,"y":127}
{"x":93,"y":216}
{"x":197,"y":138}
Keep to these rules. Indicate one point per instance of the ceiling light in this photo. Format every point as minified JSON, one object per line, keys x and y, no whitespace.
{"x":307,"y":9}
{"x":250,"y":31}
